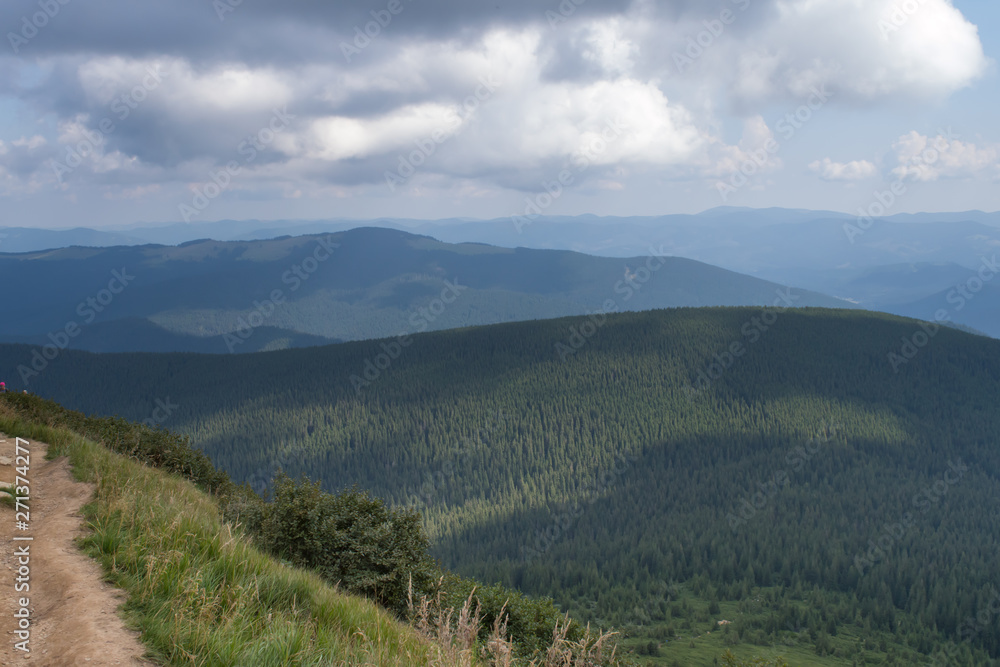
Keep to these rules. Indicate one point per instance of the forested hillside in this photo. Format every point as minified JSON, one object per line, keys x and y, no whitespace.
{"x":825,"y":480}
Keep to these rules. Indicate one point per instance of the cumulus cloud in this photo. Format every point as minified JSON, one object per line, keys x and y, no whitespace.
{"x":785,"y":48}
{"x":923,"y":158}
{"x":855,"y":170}
{"x":483,"y":107}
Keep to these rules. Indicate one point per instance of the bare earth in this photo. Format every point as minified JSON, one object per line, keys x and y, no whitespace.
{"x":74,"y":619}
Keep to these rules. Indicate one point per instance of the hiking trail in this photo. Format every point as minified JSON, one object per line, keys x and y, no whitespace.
{"x":73,"y":611}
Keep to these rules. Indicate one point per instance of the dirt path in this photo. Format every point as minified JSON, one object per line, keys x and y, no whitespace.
{"x":74,"y":618}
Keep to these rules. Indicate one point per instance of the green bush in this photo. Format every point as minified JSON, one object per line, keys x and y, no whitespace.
{"x":350,"y":539}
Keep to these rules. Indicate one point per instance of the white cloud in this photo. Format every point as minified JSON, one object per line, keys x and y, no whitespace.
{"x":783,"y":50}
{"x":525,"y":125}
{"x":118,"y":86}
{"x":31,"y":143}
{"x":567,"y":119}
{"x":855,"y":170}
{"x":752,"y":154}
{"x":923,"y":158}
{"x":608,"y":46}
{"x":335,"y":138}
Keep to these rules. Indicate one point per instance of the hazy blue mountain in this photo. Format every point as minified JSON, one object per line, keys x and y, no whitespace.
{"x":963,"y":302}
{"x":879,"y":286}
{"x":896,"y":260}
{"x":27,"y":239}
{"x":749,"y":245}
{"x":610,"y":236}
{"x":360,"y":284}
{"x":141,"y":335}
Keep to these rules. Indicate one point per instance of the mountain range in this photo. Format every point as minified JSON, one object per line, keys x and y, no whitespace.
{"x":904,"y":264}
{"x":244,"y":296}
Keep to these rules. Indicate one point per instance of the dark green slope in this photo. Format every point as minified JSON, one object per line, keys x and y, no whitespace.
{"x":601,"y":479}
{"x":360,"y":284}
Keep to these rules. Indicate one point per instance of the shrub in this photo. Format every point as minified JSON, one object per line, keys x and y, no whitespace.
{"x":350,"y":539}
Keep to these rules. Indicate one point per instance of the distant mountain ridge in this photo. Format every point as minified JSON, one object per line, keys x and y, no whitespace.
{"x":591,"y":233}
{"x":893,"y":262}
{"x":359,"y":284}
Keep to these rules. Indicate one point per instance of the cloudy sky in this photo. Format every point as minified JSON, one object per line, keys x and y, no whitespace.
{"x":115,"y":111}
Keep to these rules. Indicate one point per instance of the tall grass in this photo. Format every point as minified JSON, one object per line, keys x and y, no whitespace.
{"x":454,"y":634}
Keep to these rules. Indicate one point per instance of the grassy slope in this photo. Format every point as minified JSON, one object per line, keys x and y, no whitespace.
{"x":202,"y":595}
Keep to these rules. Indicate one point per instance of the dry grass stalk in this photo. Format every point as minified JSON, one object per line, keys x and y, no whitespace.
{"x":456,"y":643}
